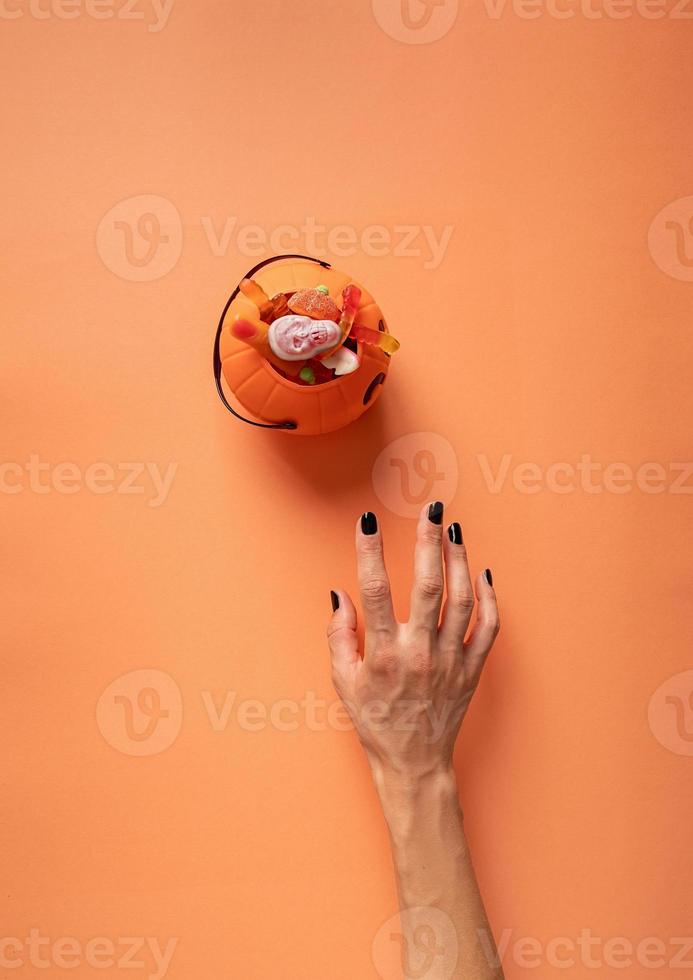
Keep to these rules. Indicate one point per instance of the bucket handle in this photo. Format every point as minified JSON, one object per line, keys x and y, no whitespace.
{"x":216,"y":357}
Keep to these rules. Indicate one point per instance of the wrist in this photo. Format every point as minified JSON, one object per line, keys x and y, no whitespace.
{"x":411,"y":797}
{"x":409,"y":780}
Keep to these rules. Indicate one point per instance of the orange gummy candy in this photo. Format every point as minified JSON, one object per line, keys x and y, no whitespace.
{"x":314,"y":303}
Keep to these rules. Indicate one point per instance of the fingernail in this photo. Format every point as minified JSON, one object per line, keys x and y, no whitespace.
{"x":435,"y":512}
{"x":334,"y":599}
{"x":488,"y":576}
{"x":455,"y":533}
{"x":369,"y":523}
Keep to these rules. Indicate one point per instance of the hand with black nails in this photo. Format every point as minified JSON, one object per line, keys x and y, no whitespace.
{"x":407,"y":693}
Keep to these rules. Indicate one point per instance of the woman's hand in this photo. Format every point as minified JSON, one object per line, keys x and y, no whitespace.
{"x":408,"y":695}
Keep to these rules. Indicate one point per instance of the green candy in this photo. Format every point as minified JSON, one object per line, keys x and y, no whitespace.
{"x":323,"y":289}
{"x":308,"y":375}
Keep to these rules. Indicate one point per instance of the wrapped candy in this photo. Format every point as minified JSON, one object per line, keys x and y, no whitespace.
{"x":315,"y":303}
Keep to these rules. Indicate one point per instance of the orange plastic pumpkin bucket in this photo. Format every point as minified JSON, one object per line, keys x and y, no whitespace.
{"x":275,"y":401}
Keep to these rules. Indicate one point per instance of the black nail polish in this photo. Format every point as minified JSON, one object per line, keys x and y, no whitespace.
{"x":435,"y":512}
{"x":455,"y":533}
{"x":369,"y":523}
{"x":334,"y":599}
{"x":488,"y":576}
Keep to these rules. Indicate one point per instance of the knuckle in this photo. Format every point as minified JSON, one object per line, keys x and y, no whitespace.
{"x":431,"y":533}
{"x":370,"y":545}
{"x":334,"y":630}
{"x":462,"y":599}
{"x":375,"y":590}
{"x":459,"y":553}
{"x":430,"y":586}
{"x":492,"y":626}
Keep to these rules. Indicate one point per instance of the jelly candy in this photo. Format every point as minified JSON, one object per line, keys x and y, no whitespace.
{"x":256,"y":294}
{"x":342,"y":361}
{"x":375,"y":338}
{"x":255,"y":333}
{"x":297,"y":338}
{"x":269,"y":308}
{"x":351,"y":297}
{"x":314,"y":303}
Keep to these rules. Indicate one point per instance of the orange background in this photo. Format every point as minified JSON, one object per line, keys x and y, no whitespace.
{"x":547,"y":331}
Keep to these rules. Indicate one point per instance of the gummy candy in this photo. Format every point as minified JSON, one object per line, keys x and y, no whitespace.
{"x":342,"y":361}
{"x":296,"y":338}
{"x":256,"y":294}
{"x":322,"y":373}
{"x":351,"y":297}
{"x":376,"y":338}
{"x":269,"y":308}
{"x":314,"y":303}
{"x":254,"y":333}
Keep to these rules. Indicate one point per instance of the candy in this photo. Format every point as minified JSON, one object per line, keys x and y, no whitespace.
{"x":375,"y":338}
{"x":342,"y":361}
{"x":314,"y":303}
{"x":351,"y":297}
{"x":269,"y":308}
{"x":307,"y":374}
{"x":254,"y":333}
{"x":297,"y":338}
{"x":322,"y":373}
{"x":256,"y":294}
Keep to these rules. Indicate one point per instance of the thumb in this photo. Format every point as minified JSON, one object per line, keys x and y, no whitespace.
{"x":341,"y":633}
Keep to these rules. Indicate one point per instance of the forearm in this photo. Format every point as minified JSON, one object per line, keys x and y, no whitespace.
{"x":434,"y":872}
